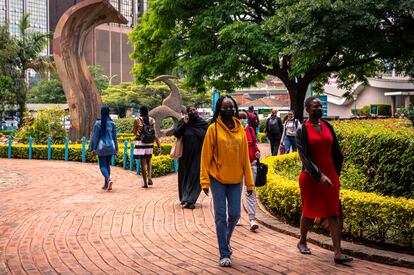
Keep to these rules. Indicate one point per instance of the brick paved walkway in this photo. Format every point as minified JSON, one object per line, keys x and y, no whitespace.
{"x":59,"y":221}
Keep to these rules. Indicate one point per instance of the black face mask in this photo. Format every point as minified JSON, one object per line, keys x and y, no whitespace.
{"x":192,"y":116}
{"x":227,"y":114}
{"x":317,"y":113}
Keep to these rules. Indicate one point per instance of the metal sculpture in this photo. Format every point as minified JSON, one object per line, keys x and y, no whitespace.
{"x":71,"y":31}
{"x":170,"y":108}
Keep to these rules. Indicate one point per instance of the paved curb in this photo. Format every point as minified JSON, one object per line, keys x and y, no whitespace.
{"x":360,"y":251}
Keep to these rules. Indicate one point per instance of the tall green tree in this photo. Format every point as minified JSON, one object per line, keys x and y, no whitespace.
{"x":8,"y":70}
{"x":47,"y":91}
{"x":102,"y":81}
{"x":29,"y":47}
{"x":234,"y":43}
{"x":7,"y":93}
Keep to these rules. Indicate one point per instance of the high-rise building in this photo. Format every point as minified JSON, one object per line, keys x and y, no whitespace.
{"x":107,"y":45}
{"x":12,"y":10}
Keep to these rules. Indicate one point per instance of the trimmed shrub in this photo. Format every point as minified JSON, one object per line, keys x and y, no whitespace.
{"x":7,"y":132}
{"x":262,"y":138}
{"x":262,"y":125}
{"x":48,"y":123}
{"x":366,"y":215}
{"x":124,"y":125}
{"x":384,"y":110}
{"x":408,"y":113}
{"x":125,"y":137}
{"x":162,"y":165}
{"x":379,"y":152}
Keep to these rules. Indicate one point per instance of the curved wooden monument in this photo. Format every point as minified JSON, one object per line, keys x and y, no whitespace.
{"x":171,"y":107}
{"x":71,"y":31}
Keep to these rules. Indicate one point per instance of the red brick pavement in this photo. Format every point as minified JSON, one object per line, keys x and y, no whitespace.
{"x":60,"y":221}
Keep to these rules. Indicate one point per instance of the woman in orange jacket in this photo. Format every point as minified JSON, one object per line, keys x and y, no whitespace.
{"x":224,"y":163}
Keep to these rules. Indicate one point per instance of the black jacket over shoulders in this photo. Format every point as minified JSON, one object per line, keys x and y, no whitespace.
{"x":308,"y":163}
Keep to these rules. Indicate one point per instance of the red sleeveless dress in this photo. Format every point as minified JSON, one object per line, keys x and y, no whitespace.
{"x":318,"y":200}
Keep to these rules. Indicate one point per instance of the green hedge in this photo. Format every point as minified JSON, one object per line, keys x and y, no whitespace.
{"x":125,"y":137}
{"x":262,"y":138}
{"x":7,"y":132}
{"x":366,"y":215}
{"x":384,"y":110}
{"x":379,"y":155}
{"x":124,"y":125}
{"x":162,"y":164}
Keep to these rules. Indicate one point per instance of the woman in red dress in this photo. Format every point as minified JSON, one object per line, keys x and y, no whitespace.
{"x":319,"y":181}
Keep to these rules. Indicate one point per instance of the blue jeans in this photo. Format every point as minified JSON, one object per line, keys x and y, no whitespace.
{"x":226,"y":198}
{"x":104,"y":162}
{"x":290,"y":141}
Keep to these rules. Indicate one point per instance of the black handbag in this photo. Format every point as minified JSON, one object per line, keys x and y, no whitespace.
{"x":261,"y":175}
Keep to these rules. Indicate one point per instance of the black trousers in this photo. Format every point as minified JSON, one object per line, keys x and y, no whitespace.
{"x":274,"y":145}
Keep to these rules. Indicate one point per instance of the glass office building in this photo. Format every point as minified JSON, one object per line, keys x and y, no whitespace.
{"x":107,"y":45}
{"x":12,"y":10}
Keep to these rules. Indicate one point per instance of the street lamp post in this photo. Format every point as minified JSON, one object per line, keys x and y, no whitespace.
{"x":354,"y":96}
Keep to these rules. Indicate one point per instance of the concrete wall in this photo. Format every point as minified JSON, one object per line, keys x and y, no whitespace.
{"x":367,"y":96}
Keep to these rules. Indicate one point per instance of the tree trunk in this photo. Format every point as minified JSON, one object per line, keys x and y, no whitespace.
{"x":21,"y":97}
{"x":297,"y":94}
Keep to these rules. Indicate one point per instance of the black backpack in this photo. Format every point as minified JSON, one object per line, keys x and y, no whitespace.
{"x":274,"y":126}
{"x":147,"y":133}
{"x":261,"y":175}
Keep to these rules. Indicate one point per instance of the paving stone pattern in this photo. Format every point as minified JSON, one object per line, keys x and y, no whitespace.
{"x":60,"y":221}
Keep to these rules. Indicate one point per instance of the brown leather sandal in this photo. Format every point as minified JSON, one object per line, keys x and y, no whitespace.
{"x":109,"y":185}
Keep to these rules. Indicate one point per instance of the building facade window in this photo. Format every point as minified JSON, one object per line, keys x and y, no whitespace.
{"x":38,"y":15}
{"x":2,"y":12}
{"x":16,"y":11}
{"x":126,"y":9}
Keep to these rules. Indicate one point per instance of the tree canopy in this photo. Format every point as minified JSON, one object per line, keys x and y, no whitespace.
{"x":29,"y":47}
{"x":47,"y":91}
{"x":8,"y":71}
{"x":234,"y":43}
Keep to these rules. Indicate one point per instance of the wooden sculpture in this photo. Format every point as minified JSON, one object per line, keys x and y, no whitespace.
{"x":71,"y":31}
{"x":170,"y":108}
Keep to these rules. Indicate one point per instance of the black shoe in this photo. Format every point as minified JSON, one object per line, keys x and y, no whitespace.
{"x":183,"y":202}
{"x":343,"y":259}
{"x":190,"y":205}
{"x":144,"y":186}
{"x":149,"y":181}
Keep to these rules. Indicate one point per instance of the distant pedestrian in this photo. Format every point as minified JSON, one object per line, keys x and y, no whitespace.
{"x":191,"y":129}
{"x":254,"y":154}
{"x":104,"y":143}
{"x":144,"y":130}
{"x":253,"y":119}
{"x":224,"y":163}
{"x":322,"y":161}
{"x":289,"y":133}
{"x":274,"y":130}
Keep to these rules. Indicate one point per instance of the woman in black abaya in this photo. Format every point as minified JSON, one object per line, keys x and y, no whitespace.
{"x":192,"y":130}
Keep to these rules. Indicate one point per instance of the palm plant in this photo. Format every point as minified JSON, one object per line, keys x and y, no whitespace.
{"x":29,"y":46}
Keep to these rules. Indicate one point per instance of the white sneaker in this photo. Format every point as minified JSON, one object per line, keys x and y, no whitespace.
{"x":238,"y":222}
{"x":253,"y":225}
{"x":225,"y":262}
